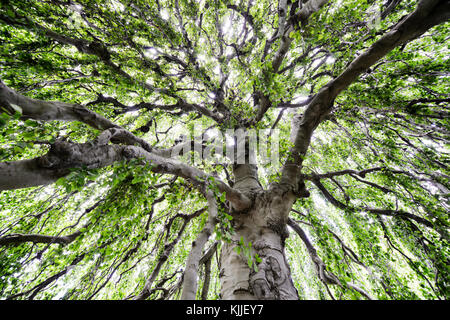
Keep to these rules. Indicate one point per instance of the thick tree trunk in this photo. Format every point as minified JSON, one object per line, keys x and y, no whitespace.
{"x":264,"y":228}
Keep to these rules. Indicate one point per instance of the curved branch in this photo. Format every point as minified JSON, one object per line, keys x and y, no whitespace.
{"x":168,"y":247}
{"x":327,"y":277}
{"x":193,"y":260}
{"x":386,"y":212}
{"x":427,"y":14}
{"x":324,"y":275}
{"x":64,"y":155}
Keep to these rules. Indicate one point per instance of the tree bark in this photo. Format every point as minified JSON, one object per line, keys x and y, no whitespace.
{"x":195,"y":255}
{"x":262,"y":232}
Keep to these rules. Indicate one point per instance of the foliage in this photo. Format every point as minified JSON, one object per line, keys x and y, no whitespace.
{"x":147,"y":64}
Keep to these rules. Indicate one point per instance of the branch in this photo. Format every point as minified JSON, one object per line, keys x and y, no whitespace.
{"x":65,"y":155}
{"x":18,"y":238}
{"x":206,"y":260}
{"x":302,"y":16}
{"x":427,"y":14}
{"x":283,"y":33}
{"x":129,"y":253}
{"x":358,"y":289}
{"x":182,"y":105}
{"x":168,"y":247}
{"x":352,"y":173}
{"x":324,"y":275}
{"x":327,"y":277}
{"x":42,"y":285}
{"x":361,"y":173}
{"x":100,"y":50}
{"x":386,"y":212}
{"x":55,"y":110}
{"x":389,"y":7}
{"x":11,"y":100}
{"x":345,"y":249}
{"x":411,"y":262}
{"x":193,"y":260}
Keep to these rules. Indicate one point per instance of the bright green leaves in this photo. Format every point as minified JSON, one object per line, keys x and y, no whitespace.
{"x":224,"y":229}
{"x":191,"y":8}
{"x":77,"y":179}
{"x":245,"y":249}
{"x":19,"y":139}
{"x":394,"y":116}
{"x":4,"y":118}
{"x":271,"y":84}
{"x":134,"y":172}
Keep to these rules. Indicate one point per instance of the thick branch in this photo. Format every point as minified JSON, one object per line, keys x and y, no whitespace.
{"x":427,"y":14}
{"x":64,"y":155}
{"x":11,"y":100}
{"x":193,"y":260}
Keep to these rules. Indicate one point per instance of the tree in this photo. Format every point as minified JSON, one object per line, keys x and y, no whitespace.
{"x":96,"y":204}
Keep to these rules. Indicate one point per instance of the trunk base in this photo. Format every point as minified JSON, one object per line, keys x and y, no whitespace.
{"x":263,"y":231}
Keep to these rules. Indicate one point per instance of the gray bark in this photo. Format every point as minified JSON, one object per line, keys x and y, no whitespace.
{"x":36,"y":109}
{"x":264,"y":226}
{"x":195,"y":255}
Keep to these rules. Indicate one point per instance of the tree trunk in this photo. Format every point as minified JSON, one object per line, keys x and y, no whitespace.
{"x":261,"y":231}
